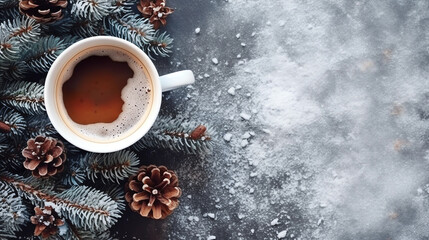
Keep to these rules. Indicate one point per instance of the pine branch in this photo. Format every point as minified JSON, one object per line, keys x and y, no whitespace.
{"x":116,"y":193}
{"x":75,"y":173}
{"x":39,"y":125}
{"x":24,"y":97}
{"x":93,"y":10}
{"x":9,"y":13}
{"x":161,"y":45}
{"x":85,"y":207}
{"x":23,"y":30}
{"x":123,"y":6}
{"x":131,"y":28}
{"x":11,"y":155}
{"x":11,"y":122}
{"x":175,"y":134}
{"x":13,"y":213}
{"x":40,"y":56}
{"x":13,"y":70}
{"x":111,"y":167}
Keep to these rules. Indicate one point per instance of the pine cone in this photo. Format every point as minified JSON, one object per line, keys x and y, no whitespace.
{"x":45,"y":156}
{"x":47,"y":222}
{"x":43,"y":10}
{"x":153,"y":192}
{"x":155,"y":10}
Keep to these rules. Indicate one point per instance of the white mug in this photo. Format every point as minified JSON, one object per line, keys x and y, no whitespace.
{"x":159,"y":85}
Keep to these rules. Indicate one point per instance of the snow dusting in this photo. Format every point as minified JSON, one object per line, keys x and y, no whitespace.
{"x":322,"y":117}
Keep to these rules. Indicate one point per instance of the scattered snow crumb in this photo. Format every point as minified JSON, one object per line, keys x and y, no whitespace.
{"x":282,"y":234}
{"x":199,"y":59}
{"x":246,"y":135}
{"x":282,"y":23}
{"x":252,"y":190}
{"x":238,"y":56}
{"x":211,"y":215}
{"x":232,"y":191}
{"x":252,"y":230}
{"x":200,"y":77}
{"x":275,"y":222}
{"x":238,"y":35}
{"x":253,"y":174}
{"x":231,"y":91}
{"x":197,"y":30}
{"x":238,"y":87}
{"x":243,"y":44}
{"x":215,"y":61}
{"x":322,"y":205}
{"x":244,"y":143}
{"x":206,"y":75}
{"x":253,"y":34}
{"x":267,"y":131}
{"x":245,"y":116}
{"x":320,"y":221}
{"x":227,"y":137}
{"x":240,"y":216}
{"x":211,"y":237}
{"x":189,"y":196}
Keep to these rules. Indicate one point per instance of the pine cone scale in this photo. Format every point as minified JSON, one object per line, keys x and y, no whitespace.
{"x":137,"y":197}
{"x":31,"y":164}
{"x":156,"y":11}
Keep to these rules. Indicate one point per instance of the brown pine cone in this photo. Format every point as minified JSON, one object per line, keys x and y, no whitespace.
{"x":45,"y":156}
{"x":155,"y":10}
{"x":153,"y":192}
{"x":47,"y":222}
{"x":43,"y":10}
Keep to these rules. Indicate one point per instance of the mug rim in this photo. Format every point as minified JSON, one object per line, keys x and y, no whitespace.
{"x":52,"y":105}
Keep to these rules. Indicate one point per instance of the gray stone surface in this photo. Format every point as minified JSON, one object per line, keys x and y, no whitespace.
{"x":338,"y":97}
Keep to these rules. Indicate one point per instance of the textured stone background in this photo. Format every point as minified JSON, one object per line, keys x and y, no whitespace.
{"x":339,"y":103}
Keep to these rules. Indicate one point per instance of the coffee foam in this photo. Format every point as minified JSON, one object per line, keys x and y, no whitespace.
{"x":136,"y":95}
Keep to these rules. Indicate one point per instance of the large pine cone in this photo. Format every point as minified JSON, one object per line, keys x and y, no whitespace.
{"x":153,"y":192}
{"x":155,"y":10}
{"x":45,"y":156}
{"x":43,"y":10}
{"x":46,"y":221}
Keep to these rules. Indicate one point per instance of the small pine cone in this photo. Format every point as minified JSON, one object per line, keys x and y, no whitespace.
{"x":47,"y":222}
{"x":153,"y":192}
{"x":155,"y":10}
{"x":43,"y":10}
{"x":45,"y":156}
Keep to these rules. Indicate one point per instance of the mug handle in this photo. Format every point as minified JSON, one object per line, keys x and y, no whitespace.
{"x":177,"y":79}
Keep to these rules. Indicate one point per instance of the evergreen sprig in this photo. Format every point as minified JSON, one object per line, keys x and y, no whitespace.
{"x":14,"y":120}
{"x":174,"y":134}
{"x":39,"y":125}
{"x":131,"y":28}
{"x":25,"y":97}
{"x":161,"y":45}
{"x":75,"y":173}
{"x":85,"y":207}
{"x":111,"y":167}
{"x":93,"y":10}
{"x":139,"y":31}
{"x":43,"y":53}
{"x":13,"y":213}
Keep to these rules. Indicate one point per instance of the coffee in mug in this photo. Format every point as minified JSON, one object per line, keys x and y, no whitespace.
{"x":103,"y":93}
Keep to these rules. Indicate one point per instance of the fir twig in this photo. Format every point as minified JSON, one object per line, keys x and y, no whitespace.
{"x":161,"y":45}
{"x":24,"y":97}
{"x":39,"y":125}
{"x":131,"y":28}
{"x":111,"y":166}
{"x":13,"y":213}
{"x":84,"y":206}
{"x":92,"y":10}
{"x":12,"y":122}
{"x":43,"y":53}
{"x":175,"y":134}
{"x":75,"y":173}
